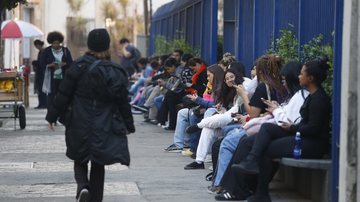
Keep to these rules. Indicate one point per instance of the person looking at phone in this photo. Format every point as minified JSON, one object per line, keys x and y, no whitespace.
{"x":55,"y":60}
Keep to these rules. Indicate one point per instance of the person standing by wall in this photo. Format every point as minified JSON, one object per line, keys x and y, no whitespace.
{"x":100,"y":115}
{"x":39,"y":76}
{"x":129,"y":56}
{"x":55,"y":60}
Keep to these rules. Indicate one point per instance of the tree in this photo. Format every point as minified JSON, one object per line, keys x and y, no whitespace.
{"x":7,"y":4}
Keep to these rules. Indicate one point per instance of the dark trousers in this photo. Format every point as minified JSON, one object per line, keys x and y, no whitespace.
{"x":168,"y":107}
{"x":271,"y":142}
{"x":95,"y":184}
{"x":55,"y":83}
{"x":42,"y":99}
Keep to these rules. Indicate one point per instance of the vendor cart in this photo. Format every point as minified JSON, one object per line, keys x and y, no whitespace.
{"x":11,"y":98}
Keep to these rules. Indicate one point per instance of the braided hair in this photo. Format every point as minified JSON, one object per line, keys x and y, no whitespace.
{"x":268,"y":69}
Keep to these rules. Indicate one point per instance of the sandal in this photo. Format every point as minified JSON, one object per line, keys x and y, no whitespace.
{"x":209,"y":176}
{"x":225,"y":196}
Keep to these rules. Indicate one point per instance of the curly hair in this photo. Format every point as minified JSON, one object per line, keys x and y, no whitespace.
{"x":55,"y":36}
{"x":227,"y":59}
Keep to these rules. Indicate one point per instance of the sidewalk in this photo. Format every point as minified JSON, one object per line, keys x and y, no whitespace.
{"x":33,"y":167}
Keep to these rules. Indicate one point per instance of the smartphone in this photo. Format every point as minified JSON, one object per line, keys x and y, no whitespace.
{"x":233,"y":114}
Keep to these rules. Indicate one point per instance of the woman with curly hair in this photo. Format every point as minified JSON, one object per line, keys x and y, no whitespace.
{"x":55,"y":60}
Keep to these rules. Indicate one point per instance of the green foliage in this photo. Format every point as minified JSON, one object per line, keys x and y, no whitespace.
{"x":286,"y":46}
{"x":10,"y":4}
{"x":163,"y":46}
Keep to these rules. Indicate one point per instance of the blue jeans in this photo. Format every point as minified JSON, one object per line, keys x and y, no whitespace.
{"x":138,"y":84}
{"x":158,"y":101}
{"x":183,"y":121}
{"x":195,"y":137}
{"x":227,"y":149}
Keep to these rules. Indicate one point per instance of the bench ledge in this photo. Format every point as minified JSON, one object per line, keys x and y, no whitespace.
{"x":323,"y":164}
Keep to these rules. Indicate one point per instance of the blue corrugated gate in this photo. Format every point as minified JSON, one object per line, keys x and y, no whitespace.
{"x":257,"y":23}
{"x":195,"y":20}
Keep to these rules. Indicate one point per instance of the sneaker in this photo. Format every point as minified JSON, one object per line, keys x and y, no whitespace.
{"x":211,"y":168}
{"x":134,"y":111}
{"x":194,"y":165}
{"x":142,"y":108}
{"x":173,"y":149}
{"x":186,"y":152}
{"x":214,"y":189}
{"x":208,"y":159}
{"x":83,"y":195}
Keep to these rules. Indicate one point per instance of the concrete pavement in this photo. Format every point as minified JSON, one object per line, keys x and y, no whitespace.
{"x":33,"y":167}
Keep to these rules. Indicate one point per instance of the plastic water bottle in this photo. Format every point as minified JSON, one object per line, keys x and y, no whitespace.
{"x":297,"y":148}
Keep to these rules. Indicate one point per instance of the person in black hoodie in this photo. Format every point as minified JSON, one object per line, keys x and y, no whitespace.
{"x":92,"y":100}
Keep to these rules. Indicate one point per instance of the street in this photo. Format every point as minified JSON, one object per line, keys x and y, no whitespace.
{"x":34,"y":168}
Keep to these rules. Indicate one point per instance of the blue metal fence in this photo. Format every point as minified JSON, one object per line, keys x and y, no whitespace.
{"x":195,"y":20}
{"x":259,"y":22}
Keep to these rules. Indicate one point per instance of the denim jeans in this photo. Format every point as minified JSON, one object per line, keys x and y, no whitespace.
{"x":183,"y":119}
{"x":138,"y":84}
{"x":158,"y":101}
{"x":227,"y":149}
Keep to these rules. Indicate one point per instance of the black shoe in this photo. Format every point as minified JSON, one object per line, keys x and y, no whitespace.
{"x":259,"y":198}
{"x":225,"y":196}
{"x":192,"y":129}
{"x":83,"y":195}
{"x":168,"y":128}
{"x":142,"y":108}
{"x":248,"y":166}
{"x":194,"y":165}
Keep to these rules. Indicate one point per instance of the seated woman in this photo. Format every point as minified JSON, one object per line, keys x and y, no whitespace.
{"x":215,"y":76}
{"x":288,"y":110}
{"x":231,"y":101}
{"x":255,"y":153}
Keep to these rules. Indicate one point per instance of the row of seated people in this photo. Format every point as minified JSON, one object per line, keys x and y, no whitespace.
{"x":244,"y":127}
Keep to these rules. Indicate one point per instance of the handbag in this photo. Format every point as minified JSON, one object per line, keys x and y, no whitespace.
{"x":187,"y":102}
{"x":174,"y":84}
{"x":199,"y":111}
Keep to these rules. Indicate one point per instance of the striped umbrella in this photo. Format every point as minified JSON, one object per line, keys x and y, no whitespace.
{"x":14,"y":29}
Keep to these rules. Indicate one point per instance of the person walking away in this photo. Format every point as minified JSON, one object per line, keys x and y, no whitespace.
{"x":95,"y":89}
{"x":39,"y":76}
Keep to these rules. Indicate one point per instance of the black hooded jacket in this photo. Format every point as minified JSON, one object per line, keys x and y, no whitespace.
{"x":99,"y":121}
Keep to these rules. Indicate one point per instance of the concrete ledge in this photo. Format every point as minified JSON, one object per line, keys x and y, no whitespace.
{"x":322,"y":164}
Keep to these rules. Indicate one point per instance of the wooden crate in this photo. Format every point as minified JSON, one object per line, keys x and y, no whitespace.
{"x":7,"y":75}
{"x":14,"y":95}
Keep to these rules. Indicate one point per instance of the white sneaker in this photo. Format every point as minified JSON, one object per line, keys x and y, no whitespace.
{"x":208,"y":159}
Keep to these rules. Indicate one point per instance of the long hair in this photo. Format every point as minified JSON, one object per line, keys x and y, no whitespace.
{"x":291,"y":71}
{"x":227,"y":93}
{"x":268,"y":71}
{"x":103,"y":55}
{"x":218,"y":78}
